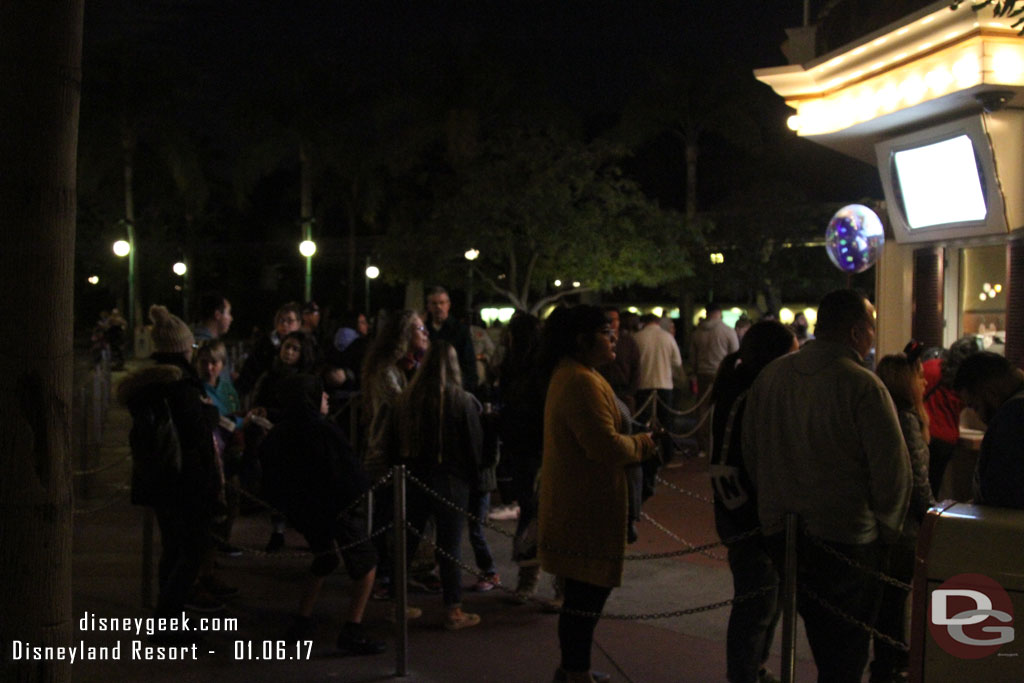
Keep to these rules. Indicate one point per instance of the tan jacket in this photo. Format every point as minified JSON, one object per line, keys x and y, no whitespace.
{"x":583,"y":503}
{"x":821,"y":438}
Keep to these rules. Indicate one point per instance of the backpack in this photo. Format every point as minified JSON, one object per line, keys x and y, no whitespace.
{"x":156,"y":452}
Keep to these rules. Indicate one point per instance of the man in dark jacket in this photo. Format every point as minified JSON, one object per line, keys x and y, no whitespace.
{"x":440,"y":325}
{"x":190,"y":493}
{"x":311,"y":475}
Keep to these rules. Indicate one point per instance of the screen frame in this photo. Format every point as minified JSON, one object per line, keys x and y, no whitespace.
{"x":973,"y":127}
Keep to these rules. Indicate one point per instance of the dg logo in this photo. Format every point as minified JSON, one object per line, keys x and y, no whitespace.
{"x":970,"y":616}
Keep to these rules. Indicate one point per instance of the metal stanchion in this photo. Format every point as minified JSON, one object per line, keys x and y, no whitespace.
{"x":147,"y":557}
{"x":789,"y":601}
{"x":399,"y":579}
{"x":83,"y":444}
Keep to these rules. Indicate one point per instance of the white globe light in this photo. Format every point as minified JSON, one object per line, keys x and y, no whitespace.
{"x":307,"y":248}
{"x":472,"y":254}
{"x":179,"y":268}
{"x":372,"y":272}
{"x":122,"y":248}
{"x":94,"y":280}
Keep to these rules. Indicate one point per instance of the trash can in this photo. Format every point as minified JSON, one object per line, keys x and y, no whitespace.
{"x":967,"y":615}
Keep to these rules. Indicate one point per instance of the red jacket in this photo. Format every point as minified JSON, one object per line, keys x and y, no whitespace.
{"x":942,"y":403}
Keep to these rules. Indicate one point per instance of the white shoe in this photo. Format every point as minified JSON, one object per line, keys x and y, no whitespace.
{"x":504,"y":513}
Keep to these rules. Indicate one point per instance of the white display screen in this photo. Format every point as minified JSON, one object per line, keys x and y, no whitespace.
{"x":940,"y":183}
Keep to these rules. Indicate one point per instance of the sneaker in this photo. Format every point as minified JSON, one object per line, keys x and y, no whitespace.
{"x":426,"y":583}
{"x":487,"y":583}
{"x":504,"y":513}
{"x":457,"y":619}
{"x":276,"y":542}
{"x":200,"y":600}
{"x":352,"y":641}
{"x":217,"y":588}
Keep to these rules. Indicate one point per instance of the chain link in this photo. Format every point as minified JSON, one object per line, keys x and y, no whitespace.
{"x":884,"y":578}
{"x":677,"y":489}
{"x":658,"y":525}
{"x":593,"y":615}
{"x":297,"y":554}
{"x":899,"y":645}
{"x":113,"y":500}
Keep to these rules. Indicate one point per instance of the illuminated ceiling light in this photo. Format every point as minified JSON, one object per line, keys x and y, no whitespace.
{"x":888,"y":97}
{"x":881,"y":41}
{"x":657,"y":310}
{"x":923,"y":46}
{"x":998,"y":287}
{"x":793,"y":122}
{"x":835,"y":62}
{"x":93,"y":280}
{"x":785,"y":316}
{"x":811,"y":314}
{"x":900,"y":57}
{"x":856,"y":74}
{"x":951,"y":35}
{"x":307,"y":248}
{"x":928,"y":20}
{"x":634,"y":310}
{"x":913,"y":89}
{"x":876,"y":66}
{"x":982,"y":296}
{"x":967,"y":71}
{"x":859,"y":50}
{"x":902,"y":31}
{"x":1007,"y":66}
{"x":986,"y":287}
{"x":938,"y":80}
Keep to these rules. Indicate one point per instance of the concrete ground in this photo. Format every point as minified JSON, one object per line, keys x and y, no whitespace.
{"x":514,"y":643}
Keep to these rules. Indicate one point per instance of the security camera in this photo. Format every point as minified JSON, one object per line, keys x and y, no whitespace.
{"x":994,"y":100}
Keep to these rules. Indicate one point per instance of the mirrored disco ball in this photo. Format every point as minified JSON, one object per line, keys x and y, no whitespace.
{"x":854,"y":238}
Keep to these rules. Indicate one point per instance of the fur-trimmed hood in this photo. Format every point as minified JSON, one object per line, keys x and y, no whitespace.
{"x":144,"y":382}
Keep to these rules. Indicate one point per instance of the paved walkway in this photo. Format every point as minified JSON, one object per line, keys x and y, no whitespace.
{"x":514,"y":642}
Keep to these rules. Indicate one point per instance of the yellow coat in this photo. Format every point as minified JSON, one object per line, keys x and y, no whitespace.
{"x":583,"y":499}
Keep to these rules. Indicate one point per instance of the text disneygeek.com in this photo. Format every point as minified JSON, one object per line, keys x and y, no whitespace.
{"x":159,"y":638}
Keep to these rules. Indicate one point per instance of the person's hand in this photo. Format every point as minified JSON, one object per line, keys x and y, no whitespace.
{"x":647,"y":444}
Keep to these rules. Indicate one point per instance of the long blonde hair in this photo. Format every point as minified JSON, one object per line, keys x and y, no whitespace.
{"x":426,"y":402}
{"x":902,"y":377}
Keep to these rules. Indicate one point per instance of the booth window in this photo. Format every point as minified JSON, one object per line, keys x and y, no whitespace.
{"x":983,"y":295}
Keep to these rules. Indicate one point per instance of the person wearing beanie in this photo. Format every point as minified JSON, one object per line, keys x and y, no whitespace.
{"x":187,"y":502}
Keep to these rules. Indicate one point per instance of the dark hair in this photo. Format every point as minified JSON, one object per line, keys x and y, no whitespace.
{"x":765,"y":341}
{"x":712,"y":308}
{"x":563,"y":329}
{"x":306,"y":355}
{"x":960,"y":350}
{"x":436,"y":289}
{"x":289,"y":307}
{"x":390,"y":344}
{"x":209,"y":304}
{"x":648,"y":318}
{"x":610,"y":309}
{"x":839,"y":311}
{"x":981,"y":368}
{"x":522,"y":343}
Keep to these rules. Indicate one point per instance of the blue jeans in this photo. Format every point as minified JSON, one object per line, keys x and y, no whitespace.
{"x":479,"y":506}
{"x":752,"y":622}
{"x":419,"y":506}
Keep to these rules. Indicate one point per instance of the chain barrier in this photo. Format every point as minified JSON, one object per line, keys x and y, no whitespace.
{"x":274,"y":511}
{"x":691,"y":409}
{"x":692,"y":432}
{"x":298,"y":554}
{"x":643,"y":406}
{"x":102,"y":468}
{"x":899,"y":645}
{"x":679,"y":539}
{"x":677,"y":489}
{"x":548,"y":605}
{"x":884,"y":578}
{"x":469,"y":515}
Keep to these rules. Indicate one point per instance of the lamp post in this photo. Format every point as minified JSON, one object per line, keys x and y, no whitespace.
{"x":124,"y":248}
{"x":372,"y":272}
{"x":181,"y":270}
{"x":307,"y":248}
{"x":471,"y":255}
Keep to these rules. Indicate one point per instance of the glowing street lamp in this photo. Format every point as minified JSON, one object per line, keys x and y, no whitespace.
{"x":179,"y":268}
{"x":93,"y":279}
{"x":471,"y":255}
{"x":122,"y":248}
{"x":307,"y":248}
{"x":372,"y":273}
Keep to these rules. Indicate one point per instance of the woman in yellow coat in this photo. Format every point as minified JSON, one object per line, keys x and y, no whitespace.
{"x":583,"y":499}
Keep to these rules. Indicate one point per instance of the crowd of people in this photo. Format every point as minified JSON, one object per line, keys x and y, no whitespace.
{"x":791,"y":424}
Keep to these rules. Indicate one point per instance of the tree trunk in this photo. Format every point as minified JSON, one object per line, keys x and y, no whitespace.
{"x":40,"y":81}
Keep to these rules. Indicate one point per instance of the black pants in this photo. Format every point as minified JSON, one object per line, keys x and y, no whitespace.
{"x":185,"y":539}
{"x":575,"y":632}
{"x":840,"y":647}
